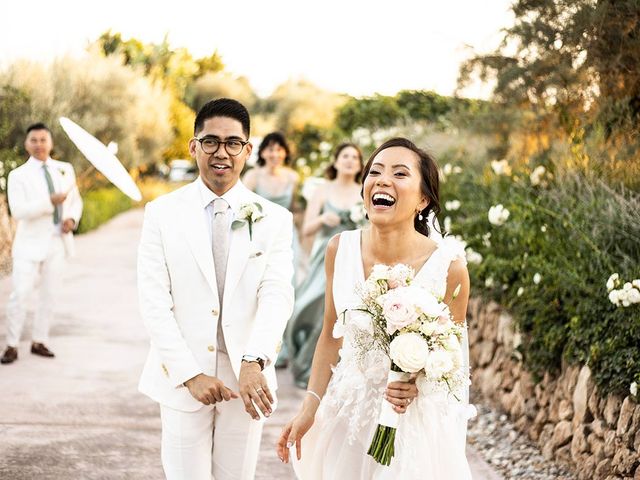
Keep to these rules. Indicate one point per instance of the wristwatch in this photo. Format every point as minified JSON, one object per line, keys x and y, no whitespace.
{"x":254,"y":359}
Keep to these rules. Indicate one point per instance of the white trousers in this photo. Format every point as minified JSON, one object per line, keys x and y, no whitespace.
{"x":25,"y":276}
{"x":218,"y":442}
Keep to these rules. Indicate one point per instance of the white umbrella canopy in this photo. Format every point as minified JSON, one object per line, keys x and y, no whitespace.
{"x":101,"y":158}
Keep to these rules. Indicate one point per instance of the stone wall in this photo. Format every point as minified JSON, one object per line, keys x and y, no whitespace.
{"x":598,"y":437}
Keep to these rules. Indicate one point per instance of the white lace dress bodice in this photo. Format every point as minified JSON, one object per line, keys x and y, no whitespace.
{"x":431,"y":436}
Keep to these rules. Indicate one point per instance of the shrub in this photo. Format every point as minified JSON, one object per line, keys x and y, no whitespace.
{"x":549,"y":264}
{"x":101,"y":205}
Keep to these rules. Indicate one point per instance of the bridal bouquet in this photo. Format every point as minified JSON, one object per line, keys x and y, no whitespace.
{"x":414,"y":327}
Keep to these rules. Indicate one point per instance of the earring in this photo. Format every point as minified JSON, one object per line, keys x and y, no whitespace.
{"x":420,"y":217}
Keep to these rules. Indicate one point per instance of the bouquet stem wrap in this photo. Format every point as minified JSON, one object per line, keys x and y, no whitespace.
{"x":382,"y":446}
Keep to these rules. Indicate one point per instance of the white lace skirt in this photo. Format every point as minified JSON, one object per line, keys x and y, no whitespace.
{"x":430,"y":439}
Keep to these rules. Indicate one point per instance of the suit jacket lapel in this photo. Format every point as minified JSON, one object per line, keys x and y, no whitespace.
{"x":197,"y":235}
{"x":239,"y":251}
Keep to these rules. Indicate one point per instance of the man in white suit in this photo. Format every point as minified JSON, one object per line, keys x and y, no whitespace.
{"x":44,"y":199}
{"x":215,"y":268}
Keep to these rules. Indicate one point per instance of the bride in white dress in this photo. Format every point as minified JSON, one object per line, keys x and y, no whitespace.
{"x":332,"y":432}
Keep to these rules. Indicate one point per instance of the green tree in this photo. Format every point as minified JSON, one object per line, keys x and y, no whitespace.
{"x":575,"y":66}
{"x":112,"y":101}
{"x":14,"y":104}
{"x":220,"y":84}
{"x":378,"y":111}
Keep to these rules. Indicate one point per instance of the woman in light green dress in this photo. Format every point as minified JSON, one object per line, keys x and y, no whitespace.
{"x":334,"y":207}
{"x":274,"y":180}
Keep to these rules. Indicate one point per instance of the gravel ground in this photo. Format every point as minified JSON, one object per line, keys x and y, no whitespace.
{"x":512,"y":454}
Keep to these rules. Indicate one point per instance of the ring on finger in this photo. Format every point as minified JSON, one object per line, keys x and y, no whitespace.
{"x":259,"y":389}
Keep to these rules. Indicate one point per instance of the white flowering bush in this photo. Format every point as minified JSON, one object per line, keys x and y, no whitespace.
{"x":550,"y":259}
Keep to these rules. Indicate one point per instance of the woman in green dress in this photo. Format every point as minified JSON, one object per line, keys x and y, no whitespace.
{"x":334,"y":207}
{"x":275,"y":180}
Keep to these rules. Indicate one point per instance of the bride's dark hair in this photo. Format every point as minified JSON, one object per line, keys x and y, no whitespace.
{"x":430,"y":184}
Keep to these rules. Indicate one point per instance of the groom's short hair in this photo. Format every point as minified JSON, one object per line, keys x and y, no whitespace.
{"x":223,"y":107}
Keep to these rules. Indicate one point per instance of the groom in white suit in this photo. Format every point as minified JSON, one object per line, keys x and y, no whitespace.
{"x":215,"y":268}
{"x":44,"y":200}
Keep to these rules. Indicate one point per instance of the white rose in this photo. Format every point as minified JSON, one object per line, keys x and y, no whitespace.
{"x":379,"y":272}
{"x":498,"y":215}
{"x":447,"y":169}
{"x":537,"y":278}
{"x":401,"y":274}
{"x":633,"y":296}
{"x":425,"y":302}
{"x":409,"y":351}
{"x":325,"y":147}
{"x":612,"y":281}
{"x":520,"y":291}
{"x":447,"y":224}
{"x":501,"y":167}
{"x":451,"y":343}
{"x":473,"y":256}
{"x":486,"y":239}
{"x":633,"y":389}
{"x":357,"y":213}
{"x":636,"y":283}
{"x":489,"y":282}
{"x":438,"y":363}
{"x":614,"y":297}
{"x":452,"y":205}
{"x":537,"y":175}
{"x":429,"y":328}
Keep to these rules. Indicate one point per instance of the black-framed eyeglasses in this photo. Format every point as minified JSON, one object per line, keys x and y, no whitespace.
{"x":210,"y":145}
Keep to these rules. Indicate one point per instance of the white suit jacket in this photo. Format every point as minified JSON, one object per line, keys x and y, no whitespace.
{"x":179,"y":297}
{"x":30,"y":204}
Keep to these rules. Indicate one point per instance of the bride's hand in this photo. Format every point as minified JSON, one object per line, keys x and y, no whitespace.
{"x":401,"y":394}
{"x":292,"y":433}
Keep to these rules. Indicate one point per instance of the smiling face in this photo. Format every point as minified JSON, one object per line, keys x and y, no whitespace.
{"x":220,"y":171}
{"x":392,"y":188}
{"x":274,"y":154}
{"x":348,"y":161}
{"x":39,"y":144}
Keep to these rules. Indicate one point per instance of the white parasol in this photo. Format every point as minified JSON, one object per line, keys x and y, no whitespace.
{"x":102,"y":158}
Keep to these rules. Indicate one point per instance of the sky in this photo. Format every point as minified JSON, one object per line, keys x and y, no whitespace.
{"x":348,"y":46}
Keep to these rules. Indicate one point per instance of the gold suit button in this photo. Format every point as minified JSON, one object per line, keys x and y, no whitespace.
{"x":211,"y":348}
{"x":214,"y":312}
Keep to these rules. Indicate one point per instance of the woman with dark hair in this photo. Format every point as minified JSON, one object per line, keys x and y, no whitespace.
{"x":334,"y":207}
{"x":273,"y":178}
{"x":333,"y":430}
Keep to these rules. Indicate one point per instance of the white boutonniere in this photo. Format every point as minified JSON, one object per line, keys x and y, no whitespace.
{"x":249,"y":213}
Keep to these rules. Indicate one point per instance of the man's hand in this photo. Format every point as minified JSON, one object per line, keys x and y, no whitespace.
{"x":68,"y":225}
{"x":209,"y":390}
{"x":58,"y":198}
{"x":254,"y":390}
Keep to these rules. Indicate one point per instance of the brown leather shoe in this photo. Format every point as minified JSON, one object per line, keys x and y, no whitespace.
{"x":10,"y":355}
{"x":40,"y":349}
